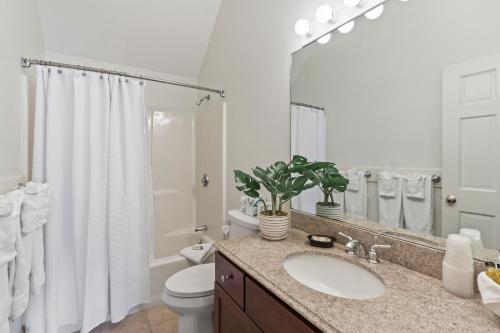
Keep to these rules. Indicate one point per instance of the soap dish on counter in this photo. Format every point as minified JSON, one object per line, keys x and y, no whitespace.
{"x":321,"y":240}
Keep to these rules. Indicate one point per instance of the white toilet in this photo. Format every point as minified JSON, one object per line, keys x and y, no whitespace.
{"x":190,"y":292}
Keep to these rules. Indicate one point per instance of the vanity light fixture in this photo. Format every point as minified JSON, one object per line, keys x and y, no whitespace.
{"x":302,"y":27}
{"x":325,"y":14}
{"x":346,"y":28}
{"x":325,"y":39}
{"x":352,"y":3}
{"x":375,"y":12}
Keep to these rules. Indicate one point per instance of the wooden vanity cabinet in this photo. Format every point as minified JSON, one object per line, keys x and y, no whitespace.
{"x":243,"y":305}
{"x":229,"y":317}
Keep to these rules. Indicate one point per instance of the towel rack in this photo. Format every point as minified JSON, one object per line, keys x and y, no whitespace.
{"x":436,"y":179}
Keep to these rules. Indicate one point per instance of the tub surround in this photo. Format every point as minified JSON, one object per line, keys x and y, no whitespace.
{"x":412,"y":302}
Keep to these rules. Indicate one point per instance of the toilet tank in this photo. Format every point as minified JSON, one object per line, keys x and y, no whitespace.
{"x":241,"y":224}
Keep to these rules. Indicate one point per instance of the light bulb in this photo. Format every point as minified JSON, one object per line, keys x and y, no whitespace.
{"x":302,"y":27}
{"x":325,"y":39}
{"x":352,"y":3}
{"x":346,"y":28}
{"x":324,"y":14}
{"x":375,"y":12}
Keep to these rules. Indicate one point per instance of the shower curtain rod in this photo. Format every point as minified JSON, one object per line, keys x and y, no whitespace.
{"x":308,"y":106}
{"x":26,"y":63}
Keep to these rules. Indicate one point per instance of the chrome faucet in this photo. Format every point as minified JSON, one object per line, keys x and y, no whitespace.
{"x":203,"y":228}
{"x":354,"y":247}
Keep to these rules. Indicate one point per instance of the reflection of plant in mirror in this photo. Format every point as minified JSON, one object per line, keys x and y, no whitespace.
{"x":324,"y":175}
{"x":278,"y":179}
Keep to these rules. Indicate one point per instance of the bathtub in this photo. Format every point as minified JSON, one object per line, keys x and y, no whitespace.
{"x":168,"y":261}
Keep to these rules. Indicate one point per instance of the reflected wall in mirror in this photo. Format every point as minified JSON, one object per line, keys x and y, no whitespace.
{"x":407,"y":96}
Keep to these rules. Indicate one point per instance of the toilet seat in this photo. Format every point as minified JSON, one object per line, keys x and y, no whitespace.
{"x":192,"y":282}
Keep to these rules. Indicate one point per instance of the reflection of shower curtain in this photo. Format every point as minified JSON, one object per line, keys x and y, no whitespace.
{"x":90,"y":145}
{"x":309,"y":140}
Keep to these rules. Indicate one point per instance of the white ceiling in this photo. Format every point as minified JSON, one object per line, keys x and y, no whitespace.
{"x":169,"y":36}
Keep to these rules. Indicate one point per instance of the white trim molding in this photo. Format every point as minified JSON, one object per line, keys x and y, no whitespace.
{"x":10,"y":183}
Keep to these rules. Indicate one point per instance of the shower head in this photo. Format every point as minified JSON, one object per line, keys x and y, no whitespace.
{"x":203,"y":99}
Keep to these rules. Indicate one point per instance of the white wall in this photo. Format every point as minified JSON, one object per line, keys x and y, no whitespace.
{"x":249,"y":56}
{"x":20,"y":35}
{"x":381,"y":84}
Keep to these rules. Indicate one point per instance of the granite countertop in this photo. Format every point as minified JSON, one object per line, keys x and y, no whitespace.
{"x":412,"y":302}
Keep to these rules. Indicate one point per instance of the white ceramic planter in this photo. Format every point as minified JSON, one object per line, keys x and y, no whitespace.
{"x":274,"y":227}
{"x":332,"y":212}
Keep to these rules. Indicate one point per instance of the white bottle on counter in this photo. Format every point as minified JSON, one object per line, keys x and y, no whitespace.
{"x":458,"y":266}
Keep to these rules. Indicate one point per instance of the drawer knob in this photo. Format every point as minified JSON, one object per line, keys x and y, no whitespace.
{"x":224,"y":278}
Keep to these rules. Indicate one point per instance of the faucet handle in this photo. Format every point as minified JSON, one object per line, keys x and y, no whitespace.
{"x":345,"y":236}
{"x":373,"y":256}
{"x":352,"y":245}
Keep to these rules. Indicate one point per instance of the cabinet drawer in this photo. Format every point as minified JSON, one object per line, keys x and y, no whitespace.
{"x":229,"y":317}
{"x":271,"y":315}
{"x":230,"y":278}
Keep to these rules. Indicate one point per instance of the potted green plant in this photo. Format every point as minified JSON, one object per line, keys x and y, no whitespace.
{"x":328,"y":179}
{"x":283,"y":184}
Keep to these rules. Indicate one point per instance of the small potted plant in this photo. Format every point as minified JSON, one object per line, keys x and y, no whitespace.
{"x":327,"y":177}
{"x":281,"y":182}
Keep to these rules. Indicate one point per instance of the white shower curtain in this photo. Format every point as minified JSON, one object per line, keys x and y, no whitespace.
{"x":308,"y":127}
{"x":90,"y":145}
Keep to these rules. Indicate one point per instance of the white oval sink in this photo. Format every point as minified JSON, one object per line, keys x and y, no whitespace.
{"x":333,"y":276}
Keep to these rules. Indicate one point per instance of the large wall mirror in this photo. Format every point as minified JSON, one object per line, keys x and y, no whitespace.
{"x":408,"y":108}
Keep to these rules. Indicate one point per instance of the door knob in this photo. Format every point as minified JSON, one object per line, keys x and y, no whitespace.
{"x":451,"y":199}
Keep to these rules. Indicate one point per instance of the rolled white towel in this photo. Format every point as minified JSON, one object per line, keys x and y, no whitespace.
{"x":36,"y":206}
{"x":10,"y":211}
{"x":490,"y":292}
{"x":198,"y":253}
{"x":29,"y":268}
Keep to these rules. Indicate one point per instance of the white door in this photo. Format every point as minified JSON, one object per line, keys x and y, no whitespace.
{"x":211,"y":161}
{"x":471,"y":143}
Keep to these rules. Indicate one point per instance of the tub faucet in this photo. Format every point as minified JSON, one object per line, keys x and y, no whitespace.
{"x":203,"y":228}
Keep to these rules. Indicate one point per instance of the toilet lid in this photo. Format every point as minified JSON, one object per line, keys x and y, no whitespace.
{"x":195,"y":281}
